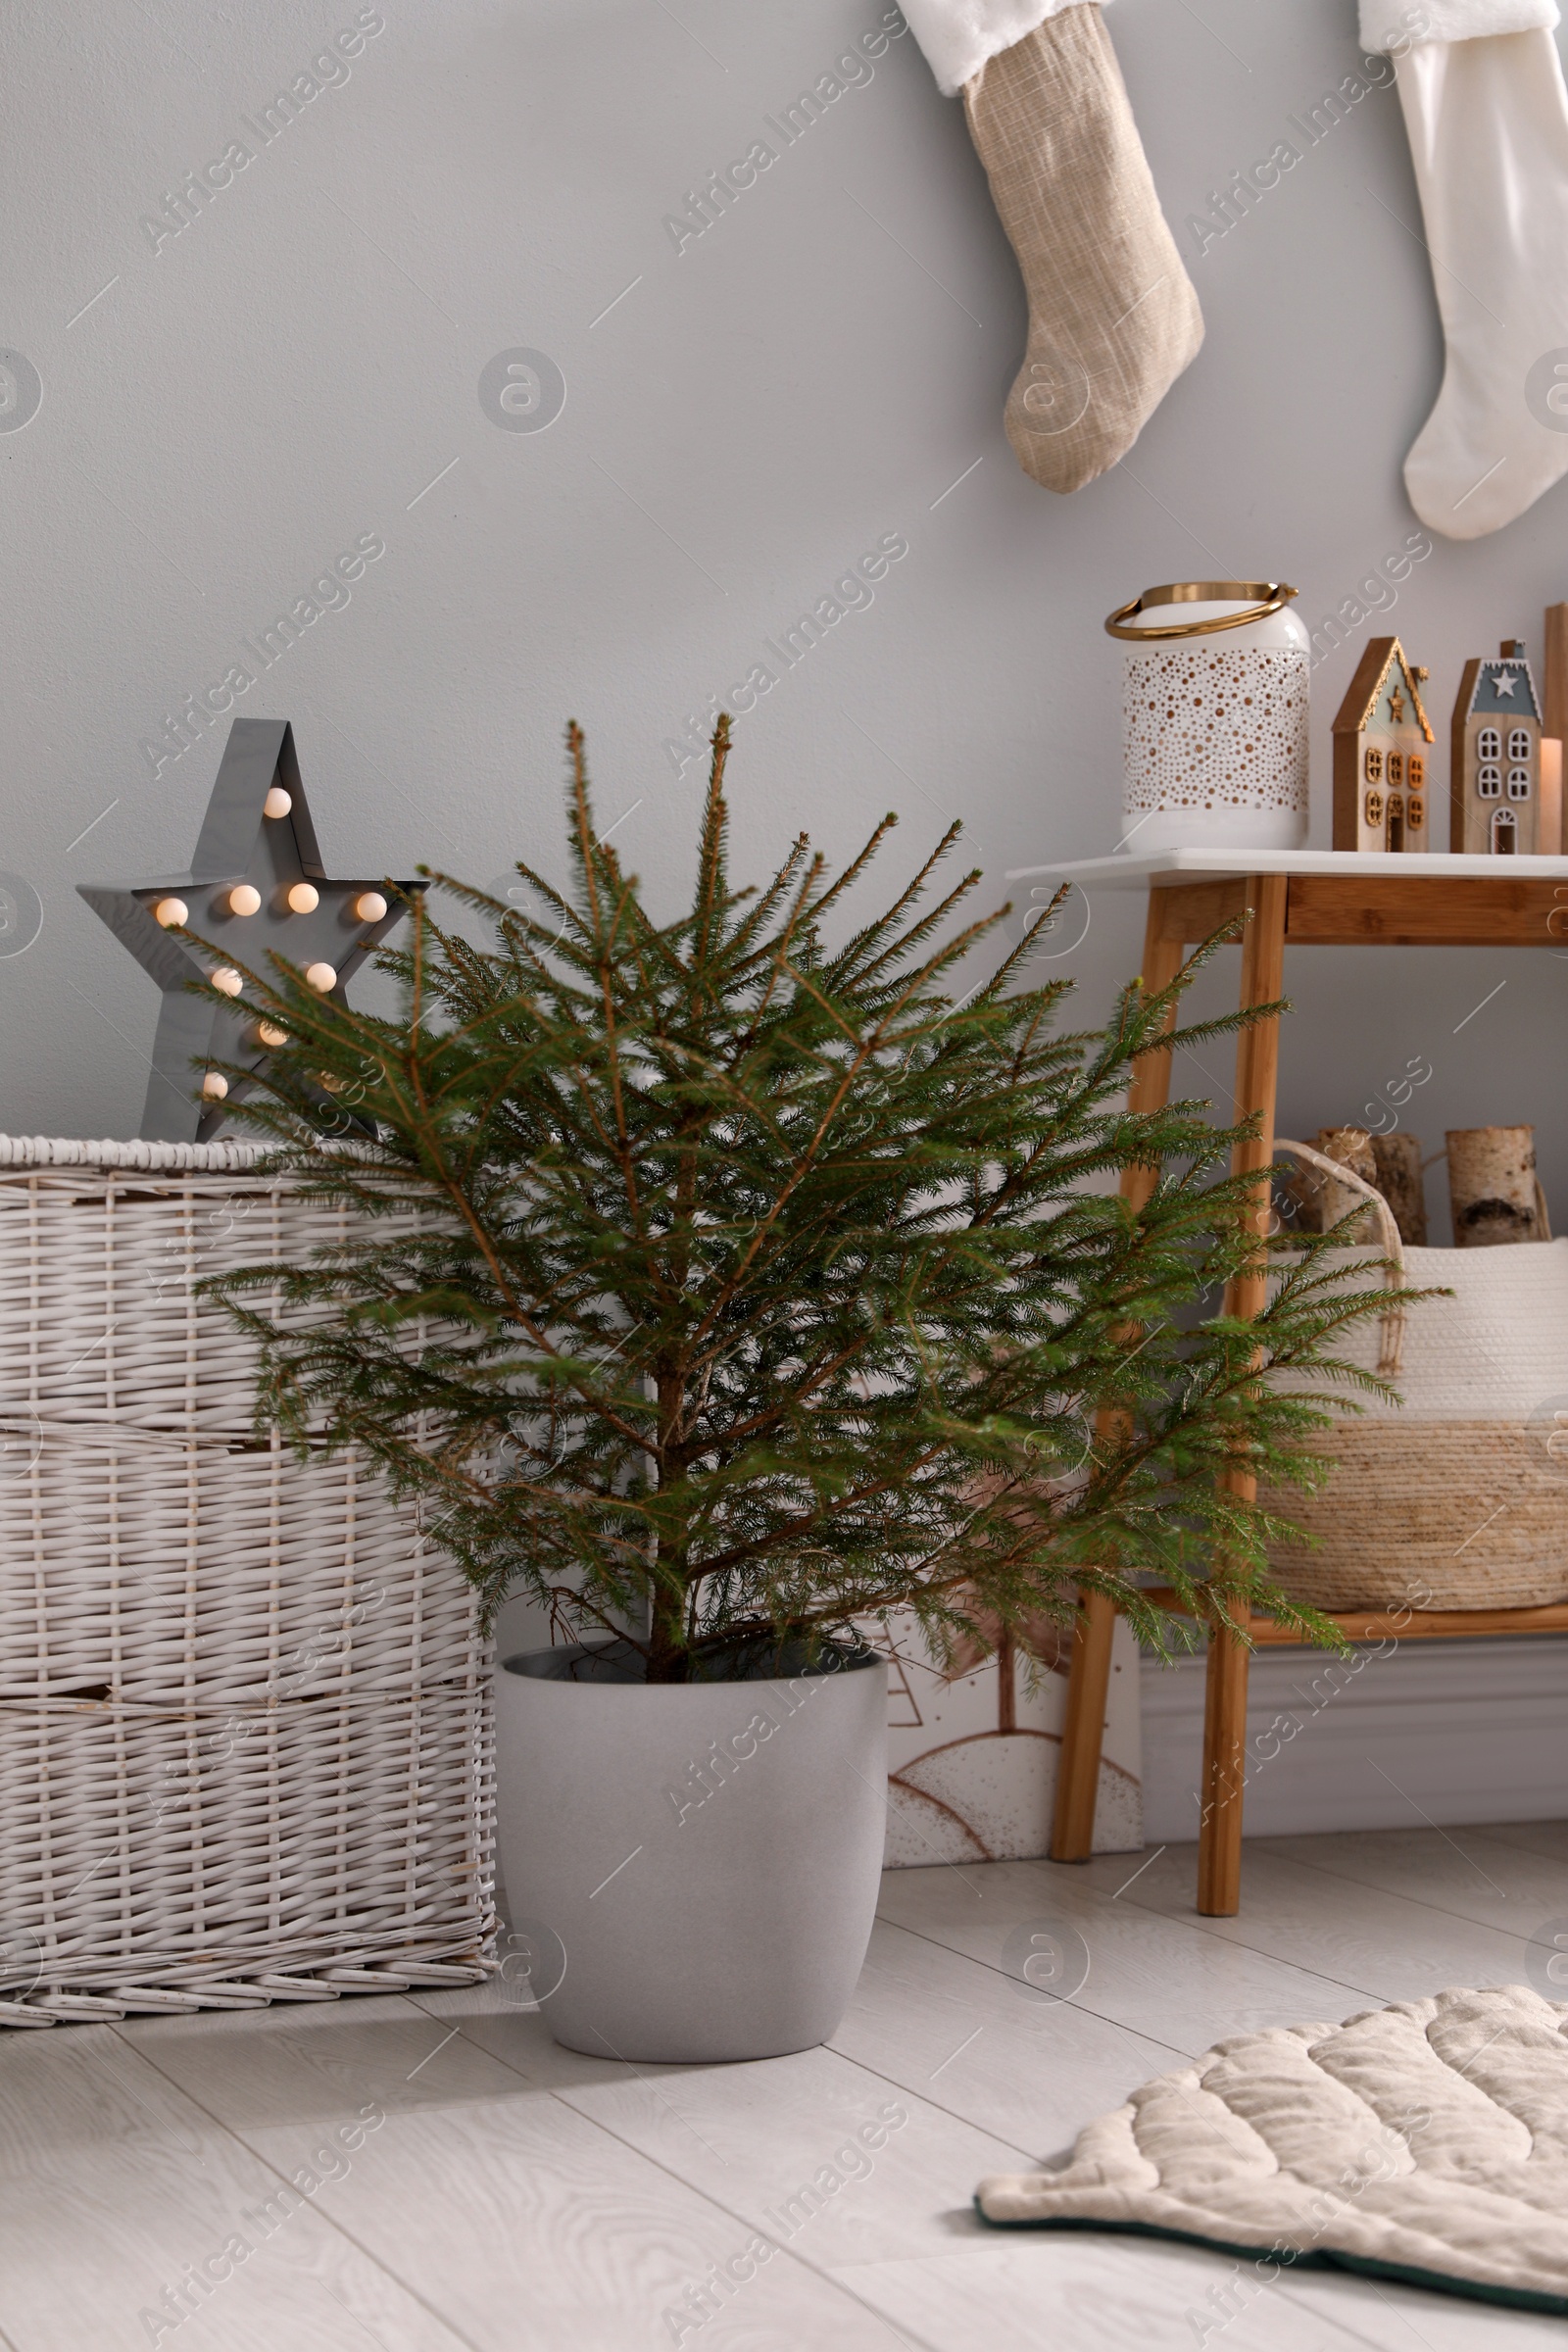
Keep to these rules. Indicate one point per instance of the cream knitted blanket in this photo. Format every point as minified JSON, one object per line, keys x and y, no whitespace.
{"x":1427,"y":2142}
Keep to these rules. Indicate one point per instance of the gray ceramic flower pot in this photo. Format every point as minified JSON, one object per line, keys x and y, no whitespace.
{"x":694,"y":1868}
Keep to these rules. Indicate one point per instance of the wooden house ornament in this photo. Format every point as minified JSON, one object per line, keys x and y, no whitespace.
{"x":1495,"y":774}
{"x":1382,"y":754}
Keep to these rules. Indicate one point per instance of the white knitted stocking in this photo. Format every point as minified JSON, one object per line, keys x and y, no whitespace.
{"x":1487,"y":115}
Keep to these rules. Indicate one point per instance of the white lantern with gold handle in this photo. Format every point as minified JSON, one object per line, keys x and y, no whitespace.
{"x":1215,"y":716}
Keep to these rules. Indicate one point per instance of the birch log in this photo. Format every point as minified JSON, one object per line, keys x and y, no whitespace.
{"x":1321,"y":1202}
{"x":1398,"y":1179}
{"x":1492,"y":1184}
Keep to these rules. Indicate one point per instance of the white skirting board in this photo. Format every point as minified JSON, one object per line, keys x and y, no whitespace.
{"x":1450,"y":1730}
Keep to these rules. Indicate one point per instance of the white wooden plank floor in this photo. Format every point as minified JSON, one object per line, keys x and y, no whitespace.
{"x":505,"y":2193}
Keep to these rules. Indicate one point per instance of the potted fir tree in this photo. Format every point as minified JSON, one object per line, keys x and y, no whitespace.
{"x":729,"y":1283}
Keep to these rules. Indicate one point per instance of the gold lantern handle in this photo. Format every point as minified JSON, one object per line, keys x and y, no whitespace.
{"x":1265,"y":599}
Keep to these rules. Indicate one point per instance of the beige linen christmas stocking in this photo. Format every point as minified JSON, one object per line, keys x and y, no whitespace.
{"x":1112,"y":316}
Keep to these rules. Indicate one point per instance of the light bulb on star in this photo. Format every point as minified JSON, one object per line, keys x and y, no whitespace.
{"x":255,"y":860}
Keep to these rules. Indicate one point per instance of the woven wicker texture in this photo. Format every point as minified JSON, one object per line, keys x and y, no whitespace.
{"x":1458,"y":1499}
{"x":73,"y":1152}
{"x":1437,"y":1515}
{"x":245,"y":1745}
{"x":1495,"y":1351}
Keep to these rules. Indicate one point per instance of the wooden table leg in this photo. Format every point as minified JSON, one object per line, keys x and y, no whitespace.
{"x":1072,"y":1833}
{"x":1219,"y":1837}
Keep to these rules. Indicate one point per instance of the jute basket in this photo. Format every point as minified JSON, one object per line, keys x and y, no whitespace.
{"x":1458,"y":1499}
{"x":245,"y":1737}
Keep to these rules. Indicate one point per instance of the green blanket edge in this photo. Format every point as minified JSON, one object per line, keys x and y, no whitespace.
{"x":1443,"y":2282}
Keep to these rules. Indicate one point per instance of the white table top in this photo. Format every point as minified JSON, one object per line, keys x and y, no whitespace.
{"x":1123,"y":872}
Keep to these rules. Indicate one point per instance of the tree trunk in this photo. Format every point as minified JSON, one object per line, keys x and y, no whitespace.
{"x":668,"y":1657}
{"x":1492,"y":1184}
{"x":1398,"y":1179}
{"x":669,"y":1592}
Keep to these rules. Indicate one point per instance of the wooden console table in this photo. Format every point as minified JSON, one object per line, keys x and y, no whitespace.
{"x":1307,"y":898}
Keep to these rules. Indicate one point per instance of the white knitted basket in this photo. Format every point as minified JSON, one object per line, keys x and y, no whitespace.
{"x":1457,"y":1499}
{"x":245,"y":1740}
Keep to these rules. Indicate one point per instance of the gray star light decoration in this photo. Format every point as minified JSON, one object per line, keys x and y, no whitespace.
{"x":257,"y":879}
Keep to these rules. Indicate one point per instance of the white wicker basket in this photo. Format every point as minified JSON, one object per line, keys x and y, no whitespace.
{"x":245,"y":1740}
{"x":1457,"y":1499}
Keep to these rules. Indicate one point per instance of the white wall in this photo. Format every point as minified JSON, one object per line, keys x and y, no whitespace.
{"x":1386,"y":1739}
{"x":290,"y":373}
{"x":291,"y":370}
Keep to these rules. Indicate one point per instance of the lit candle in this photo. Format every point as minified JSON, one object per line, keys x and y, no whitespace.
{"x":244,"y":898}
{"x":369,"y":906}
{"x":227,"y":979}
{"x":1548,"y":842}
{"x":277,"y":803}
{"x":322,"y":977}
{"x":304,"y":898}
{"x":170,"y":911}
{"x":215,"y":1086}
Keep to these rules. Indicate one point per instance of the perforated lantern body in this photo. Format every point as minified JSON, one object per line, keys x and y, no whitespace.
{"x":1214,"y":725}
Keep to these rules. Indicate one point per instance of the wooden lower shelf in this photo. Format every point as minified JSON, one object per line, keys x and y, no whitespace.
{"x":1404,"y":1625}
